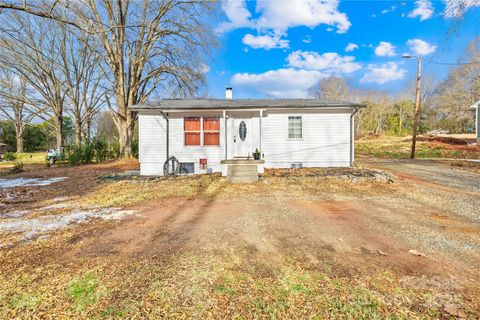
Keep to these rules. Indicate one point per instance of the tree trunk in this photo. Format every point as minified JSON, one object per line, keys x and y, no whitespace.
{"x":59,"y":132}
{"x":78,"y":133}
{"x":124,"y":124}
{"x":125,"y":138}
{"x":19,"y":136}
{"x":88,"y":128}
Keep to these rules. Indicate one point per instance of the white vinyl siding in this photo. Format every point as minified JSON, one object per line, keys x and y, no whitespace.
{"x":324,"y":142}
{"x":325,"y":139}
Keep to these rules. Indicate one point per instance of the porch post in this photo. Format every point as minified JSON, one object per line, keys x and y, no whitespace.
{"x":261,"y":116}
{"x":226,"y":135}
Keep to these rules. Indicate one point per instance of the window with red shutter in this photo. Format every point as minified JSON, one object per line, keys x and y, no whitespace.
{"x":192,"y":130}
{"x":211,"y":131}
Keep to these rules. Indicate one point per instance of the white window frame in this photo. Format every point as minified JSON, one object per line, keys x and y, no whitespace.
{"x":288,"y":127}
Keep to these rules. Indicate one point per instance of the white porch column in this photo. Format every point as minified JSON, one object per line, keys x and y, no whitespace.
{"x":261,"y":116}
{"x":226,"y":134}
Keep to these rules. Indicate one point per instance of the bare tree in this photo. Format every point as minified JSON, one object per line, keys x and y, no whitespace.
{"x":147,"y":44}
{"x":16,"y":104}
{"x":28,"y":47}
{"x":331,"y":88}
{"x":459,"y":90}
{"x":83,"y":80}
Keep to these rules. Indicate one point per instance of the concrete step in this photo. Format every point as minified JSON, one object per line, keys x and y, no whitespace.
{"x":242,"y":173}
{"x":242,"y":179}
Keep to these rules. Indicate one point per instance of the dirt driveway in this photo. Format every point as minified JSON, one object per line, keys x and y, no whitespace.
{"x":438,"y":172}
{"x":298,"y":244}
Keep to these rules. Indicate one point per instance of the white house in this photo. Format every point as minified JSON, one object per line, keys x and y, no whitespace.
{"x":201,"y":133}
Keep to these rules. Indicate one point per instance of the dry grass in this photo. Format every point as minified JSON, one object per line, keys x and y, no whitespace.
{"x":51,"y":279}
{"x":212,"y":286}
{"x":389,"y":147}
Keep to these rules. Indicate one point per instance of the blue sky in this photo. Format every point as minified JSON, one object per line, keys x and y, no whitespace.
{"x":278,"y":49}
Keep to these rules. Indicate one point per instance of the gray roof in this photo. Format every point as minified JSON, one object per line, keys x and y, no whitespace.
{"x":205,"y":104}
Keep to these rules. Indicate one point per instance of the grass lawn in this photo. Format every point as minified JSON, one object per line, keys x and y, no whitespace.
{"x":26,"y":158}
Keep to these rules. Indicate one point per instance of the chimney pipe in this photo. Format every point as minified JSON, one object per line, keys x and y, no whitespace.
{"x":229,"y":93}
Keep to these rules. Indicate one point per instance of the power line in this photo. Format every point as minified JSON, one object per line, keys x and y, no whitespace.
{"x":453,"y":63}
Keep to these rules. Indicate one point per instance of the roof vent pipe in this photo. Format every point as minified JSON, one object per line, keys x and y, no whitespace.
{"x":229,"y":93}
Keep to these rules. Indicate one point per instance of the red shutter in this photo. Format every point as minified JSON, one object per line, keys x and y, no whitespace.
{"x":211,"y":131}
{"x":192,"y":131}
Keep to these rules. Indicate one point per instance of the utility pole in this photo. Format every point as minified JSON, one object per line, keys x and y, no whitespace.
{"x":417,"y":104}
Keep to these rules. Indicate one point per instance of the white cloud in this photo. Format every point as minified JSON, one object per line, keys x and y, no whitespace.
{"x":237,"y":14}
{"x":279,"y":16}
{"x":266,"y":41}
{"x":383,"y":73}
{"x":423,"y":10}
{"x":304,"y":70}
{"x":421,"y":47}
{"x":307,"y":39}
{"x":329,"y":62}
{"x":281,"y":83}
{"x":391,"y":9}
{"x":456,"y":9}
{"x":385,"y":49}
{"x":350,"y":47}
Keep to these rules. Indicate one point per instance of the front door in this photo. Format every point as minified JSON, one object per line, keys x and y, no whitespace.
{"x":242,"y":137}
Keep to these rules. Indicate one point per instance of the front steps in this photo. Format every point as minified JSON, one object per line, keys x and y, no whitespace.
{"x":241,"y":170}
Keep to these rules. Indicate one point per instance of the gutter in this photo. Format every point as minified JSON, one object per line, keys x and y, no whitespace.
{"x":352,"y":135}
{"x":168,"y":134}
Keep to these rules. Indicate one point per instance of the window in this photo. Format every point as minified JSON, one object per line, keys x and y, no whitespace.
{"x":202,"y":131}
{"x":191,"y":127}
{"x":211,"y":131}
{"x":295,"y":130}
{"x":187,"y":167}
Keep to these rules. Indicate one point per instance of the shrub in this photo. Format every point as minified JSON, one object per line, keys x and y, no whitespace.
{"x":10,"y":156}
{"x":17,"y":168}
{"x":98,"y":151}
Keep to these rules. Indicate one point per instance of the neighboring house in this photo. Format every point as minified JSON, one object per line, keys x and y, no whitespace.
{"x":201,"y":133}
{"x":476,"y":107}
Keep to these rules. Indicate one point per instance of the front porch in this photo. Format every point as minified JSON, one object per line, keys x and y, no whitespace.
{"x":242,"y":170}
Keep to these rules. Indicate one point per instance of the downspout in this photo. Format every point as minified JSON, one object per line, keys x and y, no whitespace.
{"x":352,"y":135}
{"x":168,"y":133}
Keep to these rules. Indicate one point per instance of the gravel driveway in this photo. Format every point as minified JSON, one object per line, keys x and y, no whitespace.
{"x":433,"y":171}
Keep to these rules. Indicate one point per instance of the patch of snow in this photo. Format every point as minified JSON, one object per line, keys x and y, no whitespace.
{"x":14,"y":214}
{"x":37,"y":226}
{"x":28,"y":182}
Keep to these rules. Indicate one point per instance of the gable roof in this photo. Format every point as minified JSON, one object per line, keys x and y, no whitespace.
{"x":226,"y":104}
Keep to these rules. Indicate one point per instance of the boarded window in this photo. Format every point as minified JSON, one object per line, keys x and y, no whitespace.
{"x":295,"y":130}
{"x":211,"y":131}
{"x":192,"y":131}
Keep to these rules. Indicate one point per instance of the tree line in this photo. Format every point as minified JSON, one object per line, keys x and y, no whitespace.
{"x":444,"y":105}
{"x":79,"y":60}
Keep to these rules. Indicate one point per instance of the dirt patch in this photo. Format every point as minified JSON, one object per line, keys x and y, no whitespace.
{"x":354,"y":174}
{"x":446,"y":140}
{"x":79,"y":181}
